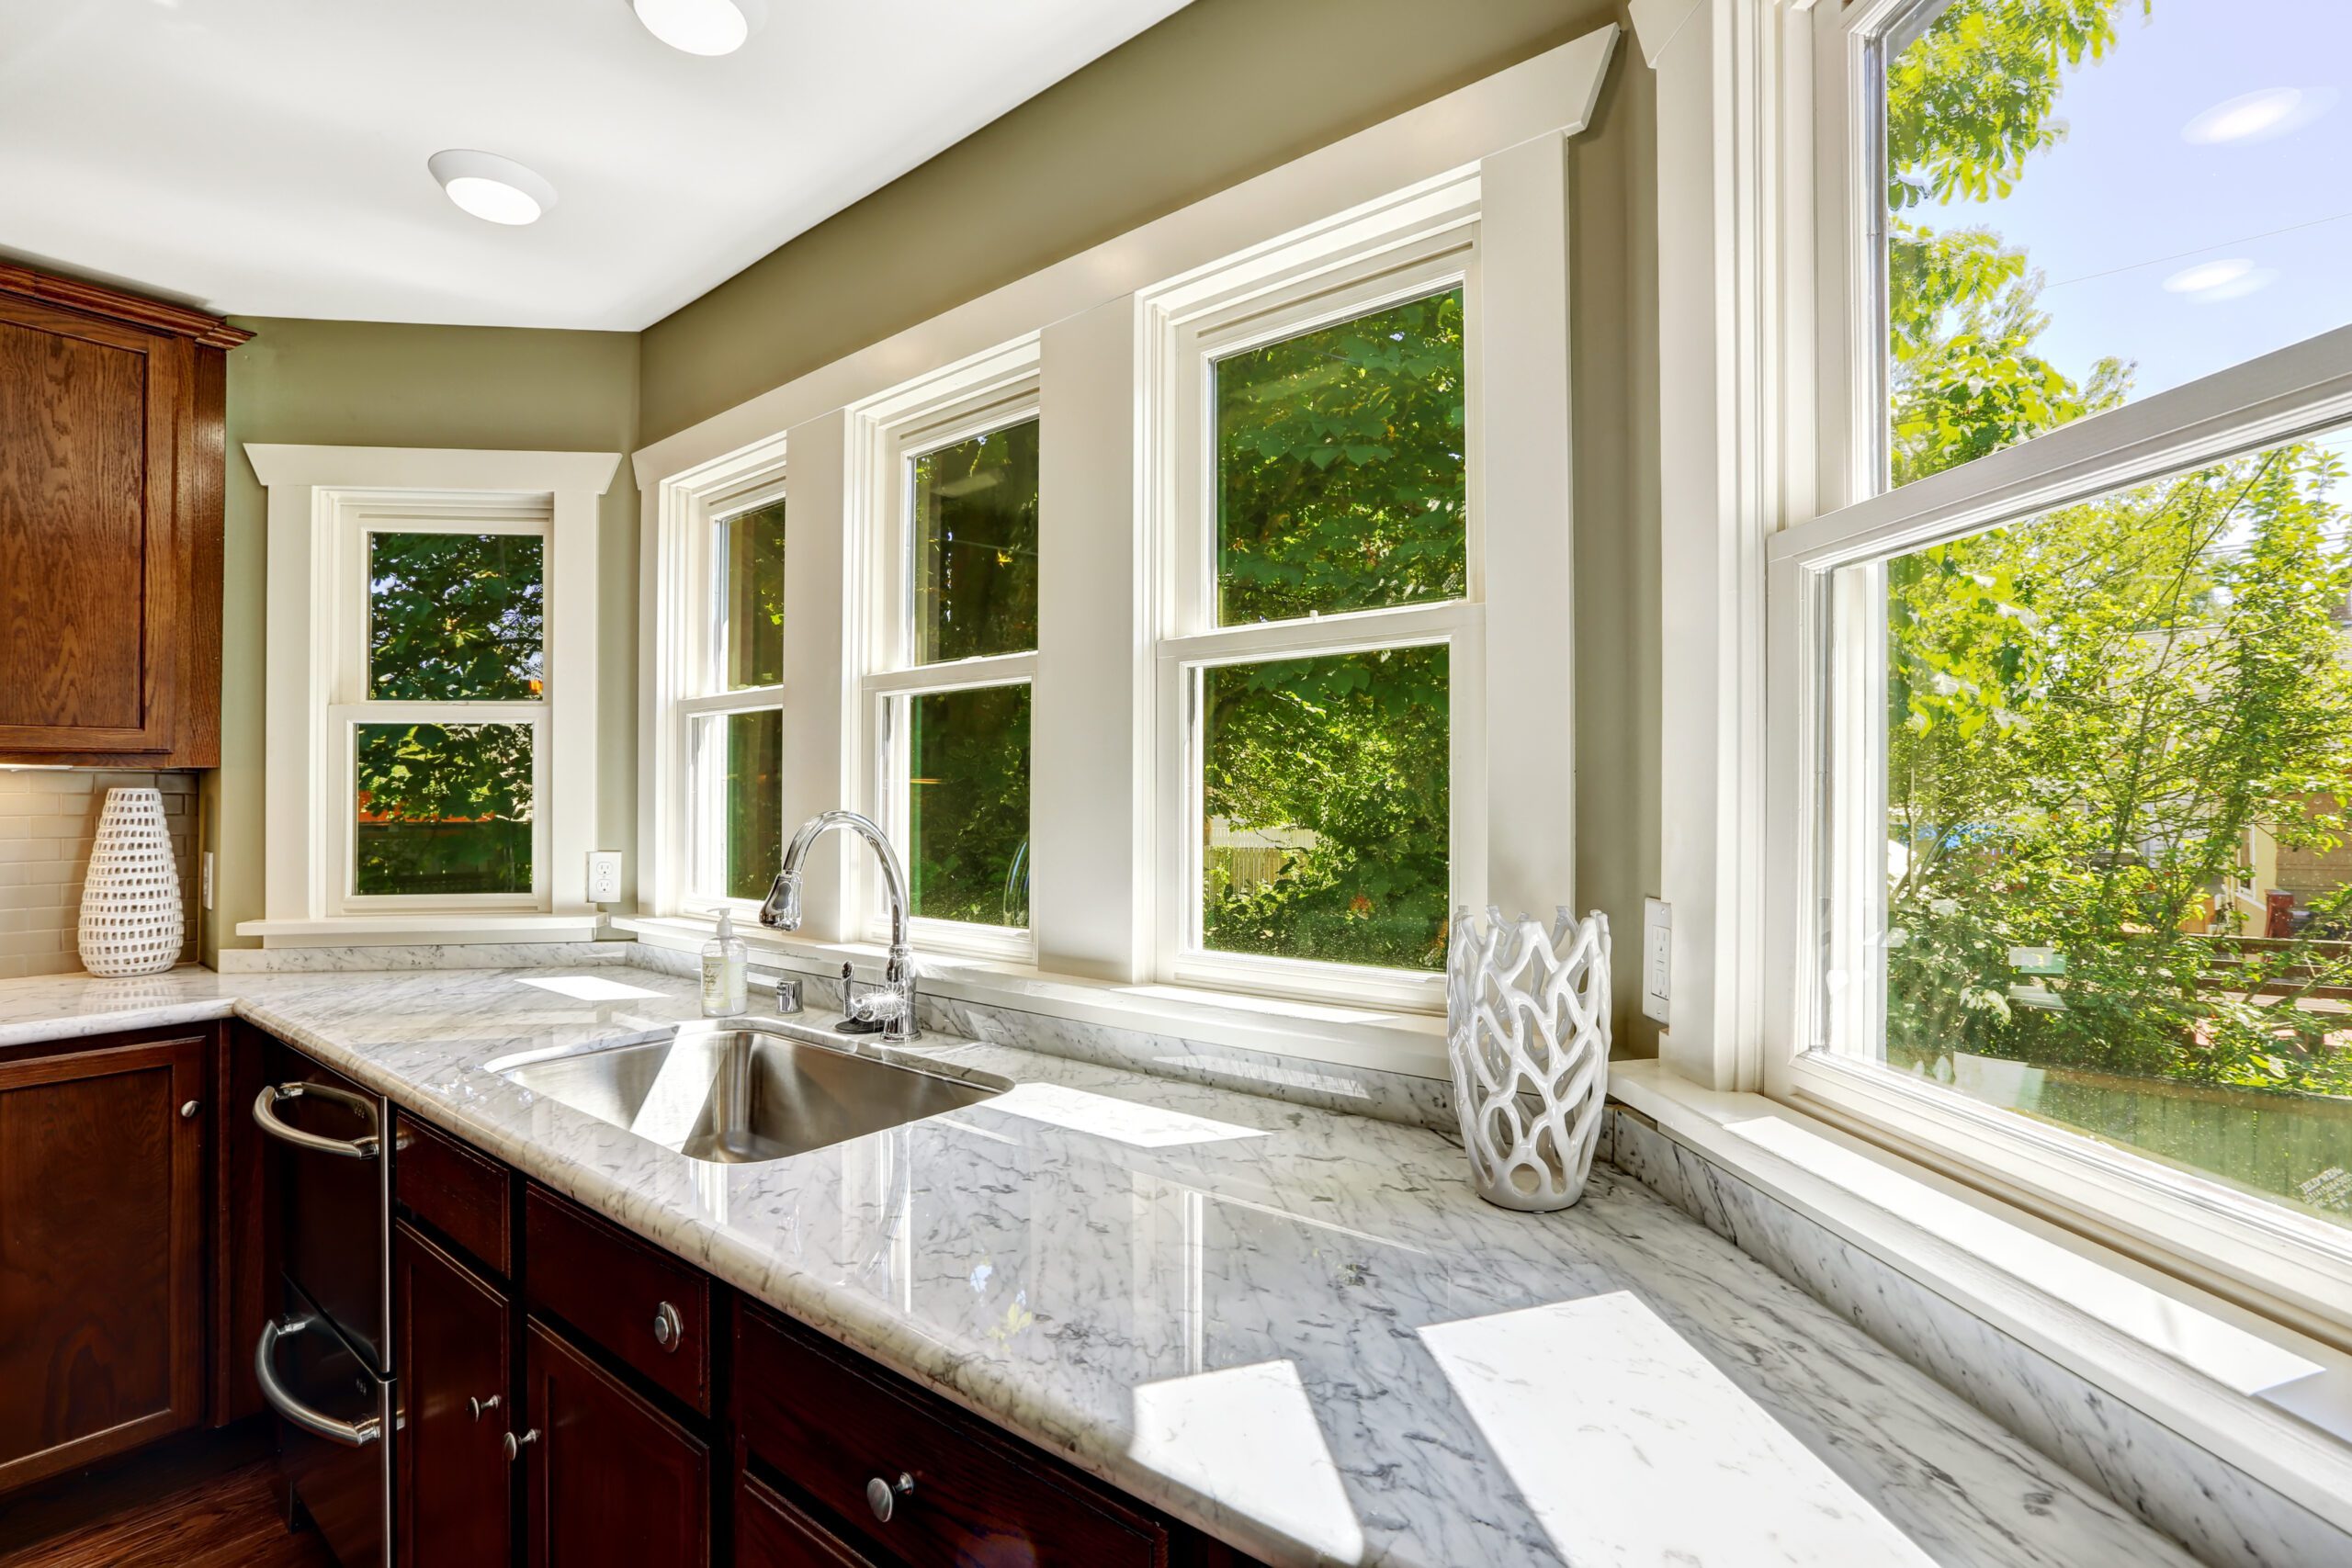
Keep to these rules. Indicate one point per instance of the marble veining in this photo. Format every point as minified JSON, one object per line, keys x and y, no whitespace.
{"x":1299,"y":1330}
{"x":2226,"y":1515}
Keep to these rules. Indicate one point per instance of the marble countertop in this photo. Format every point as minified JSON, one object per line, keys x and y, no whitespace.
{"x":1296,"y":1329}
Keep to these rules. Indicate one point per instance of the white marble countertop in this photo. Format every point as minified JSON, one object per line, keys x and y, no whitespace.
{"x":1299,"y":1330}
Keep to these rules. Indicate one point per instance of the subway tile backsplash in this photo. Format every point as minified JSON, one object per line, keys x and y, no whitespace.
{"x":47,"y":819}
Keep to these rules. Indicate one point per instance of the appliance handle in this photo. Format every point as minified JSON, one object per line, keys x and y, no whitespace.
{"x":265,"y":1117}
{"x":349,"y":1434}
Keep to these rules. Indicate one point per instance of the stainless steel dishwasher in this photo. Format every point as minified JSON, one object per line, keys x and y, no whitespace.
{"x":324,"y":1362}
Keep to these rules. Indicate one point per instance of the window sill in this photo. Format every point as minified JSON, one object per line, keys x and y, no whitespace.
{"x":1364,"y":1037}
{"x":2272,"y":1403}
{"x":396,"y":931}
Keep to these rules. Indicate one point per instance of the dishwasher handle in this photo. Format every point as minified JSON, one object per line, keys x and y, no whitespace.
{"x":349,"y":1434}
{"x":265,"y":1118}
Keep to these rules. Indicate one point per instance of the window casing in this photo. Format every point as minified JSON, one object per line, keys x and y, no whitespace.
{"x":1195,"y":648}
{"x":1828,"y":931}
{"x":732,"y":734}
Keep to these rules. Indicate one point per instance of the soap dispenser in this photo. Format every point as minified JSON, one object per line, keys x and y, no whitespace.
{"x":723,"y":963}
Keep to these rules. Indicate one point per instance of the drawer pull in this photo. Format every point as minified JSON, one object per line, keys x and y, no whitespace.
{"x":514,"y":1445}
{"x":883,"y":1497}
{"x":669,"y":1331}
{"x":474,"y":1407}
{"x":188,"y":1110}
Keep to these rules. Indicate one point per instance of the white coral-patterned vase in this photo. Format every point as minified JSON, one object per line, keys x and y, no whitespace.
{"x":132,"y":922}
{"x":1527,"y":1026}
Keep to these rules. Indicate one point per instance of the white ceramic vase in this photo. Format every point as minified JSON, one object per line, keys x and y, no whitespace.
{"x":1527,"y":1027}
{"x":132,"y":922}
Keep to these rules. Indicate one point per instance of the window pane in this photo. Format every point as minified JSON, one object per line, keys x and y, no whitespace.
{"x":752,"y":590}
{"x":1324,"y":793}
{"x":968,"y":804}
{"x":443,"y":810}
{"x":1339,"y":473}
{"x":976,"y":547}
{"x":2117,"y":758}
{"x":454,"y":617}
{"x":748,"y":837}
{"x":2091,"y":201}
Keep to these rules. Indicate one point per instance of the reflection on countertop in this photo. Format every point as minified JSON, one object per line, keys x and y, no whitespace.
{"x":1297,"y":1329}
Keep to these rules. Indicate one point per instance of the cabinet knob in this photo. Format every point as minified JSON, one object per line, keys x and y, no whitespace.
{"x":668,"y":1327}
{"x":188,"y":1110}
{"x":882,"y":1496}
{"x":474,"y":1407}
{"x":514,"y":1445}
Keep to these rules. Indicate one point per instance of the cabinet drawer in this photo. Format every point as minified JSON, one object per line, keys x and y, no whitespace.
{"x":833,"y":1424}
{"x":460,"y":1193}
{"x":771,"y":1532}
{"x":650,"y":1309}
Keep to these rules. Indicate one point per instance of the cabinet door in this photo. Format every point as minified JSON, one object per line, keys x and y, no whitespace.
{"x":101,"y":1252}
{"x":90,"y":601}
{"x":771,"y":1532}
{"x":456,"y":1485}
{"x":613,"y":1482}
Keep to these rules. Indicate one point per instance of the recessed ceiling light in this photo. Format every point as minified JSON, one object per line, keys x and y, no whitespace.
{"x":497,"y":189}
{"x":699,"y":27}
{"x":2257,"y":117}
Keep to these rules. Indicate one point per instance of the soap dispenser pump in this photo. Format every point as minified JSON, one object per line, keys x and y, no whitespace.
{"x":724,"y":960}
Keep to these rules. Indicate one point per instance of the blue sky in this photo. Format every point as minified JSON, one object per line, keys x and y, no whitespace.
{"x":2252,"y":231}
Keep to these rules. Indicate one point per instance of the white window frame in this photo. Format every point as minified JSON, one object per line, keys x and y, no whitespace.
{"x":702,"y":713}
{"x":997,"y":391}
{"x":1425,"y":251}
{"x":323,"y":501}
{"x":1822,"y":855}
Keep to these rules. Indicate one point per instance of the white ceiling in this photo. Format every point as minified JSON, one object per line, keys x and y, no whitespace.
{"x":266,"y":157}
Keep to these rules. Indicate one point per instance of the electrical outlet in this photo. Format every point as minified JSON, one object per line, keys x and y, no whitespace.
{"x":1658,"y":957}
{"x":204,"y":879}
{"x":604,"y":876}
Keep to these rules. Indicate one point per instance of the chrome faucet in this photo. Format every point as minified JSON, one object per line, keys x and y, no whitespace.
{"x":892,"y":1005}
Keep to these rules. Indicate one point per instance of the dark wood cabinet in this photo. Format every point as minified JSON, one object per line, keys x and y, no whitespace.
{"x":111,"y":454}
{"x":456,"y":1483}
{"x":102,"y":1237}
{"x":772,"y":1531}
{"x":612,"y":1482}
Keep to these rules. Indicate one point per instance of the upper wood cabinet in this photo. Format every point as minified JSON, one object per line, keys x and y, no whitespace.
{"x":110,"y":495}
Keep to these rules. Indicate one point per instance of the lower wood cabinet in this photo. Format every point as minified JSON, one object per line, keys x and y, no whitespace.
{"x":772,"y":1532}
{"x":612,"y":1482}
{"x":102,"y":1242}
{"x":455,"y":1484}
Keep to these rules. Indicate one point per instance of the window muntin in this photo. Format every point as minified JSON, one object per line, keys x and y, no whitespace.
{"x":2109,"y":768}
{"x":2090,"y":201}
{"x":1326,"y":549}
{"x":1340,"y":480}
{"x":442,"y":811}
{"x":455,"y":617}
{"x":974,"y":537}
{"x":734,"y":719}
{"x":1326,"y":797}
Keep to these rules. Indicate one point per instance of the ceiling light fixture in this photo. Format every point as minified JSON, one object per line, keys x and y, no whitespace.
{"x":497,"y":189}
{"x":699,"y":27}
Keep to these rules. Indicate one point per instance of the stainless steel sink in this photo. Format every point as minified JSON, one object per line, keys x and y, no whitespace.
{"x":738,"y":1090}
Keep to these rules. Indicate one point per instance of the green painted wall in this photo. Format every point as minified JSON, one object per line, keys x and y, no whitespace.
{"x":371,"y":384}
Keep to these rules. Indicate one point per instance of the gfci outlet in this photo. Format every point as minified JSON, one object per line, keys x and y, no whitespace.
{"x":604,"y":876}
{"x":1658,"y":957}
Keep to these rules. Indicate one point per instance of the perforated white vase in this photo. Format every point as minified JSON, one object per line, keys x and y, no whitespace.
{"x":130,"y":903}
{"x":1527,"y":1025}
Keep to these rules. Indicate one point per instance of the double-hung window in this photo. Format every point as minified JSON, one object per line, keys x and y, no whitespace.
{"x":734,"y":739}
{"x":2062,"y":677}
{"x":952,"y":653}
{"x":1321,"y":619}
{"x":438,"y":739}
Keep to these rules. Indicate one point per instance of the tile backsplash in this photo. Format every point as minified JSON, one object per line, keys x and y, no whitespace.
{"x":47,"y":818}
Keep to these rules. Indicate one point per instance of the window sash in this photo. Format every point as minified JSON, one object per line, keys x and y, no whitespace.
{"x":340,"y":865}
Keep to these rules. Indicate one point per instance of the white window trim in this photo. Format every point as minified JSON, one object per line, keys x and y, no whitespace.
{"x":704,"y":793}
{"x":1769,"y":416}
{"x":321,"y":500}
{"x":1424,"y":243}
{"x":992,"y":392}
{"x":1093,"y":768}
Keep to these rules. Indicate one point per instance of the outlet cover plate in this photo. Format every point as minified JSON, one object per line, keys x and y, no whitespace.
{"x":1658,"y":957}
{"x":604,"y":876}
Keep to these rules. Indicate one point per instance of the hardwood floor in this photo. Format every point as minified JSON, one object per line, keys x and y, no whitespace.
{"x":191,"y":1514}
